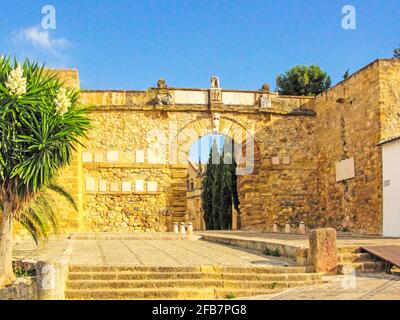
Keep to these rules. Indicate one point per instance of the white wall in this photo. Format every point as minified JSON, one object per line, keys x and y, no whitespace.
{"x":391,"y":189}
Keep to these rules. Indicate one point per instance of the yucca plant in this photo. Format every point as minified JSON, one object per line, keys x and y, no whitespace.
{"x":40,"y":123}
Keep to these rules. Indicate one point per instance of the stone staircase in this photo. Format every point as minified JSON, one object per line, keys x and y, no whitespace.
{"x":362,"y":262}
{"x":119,"y":283}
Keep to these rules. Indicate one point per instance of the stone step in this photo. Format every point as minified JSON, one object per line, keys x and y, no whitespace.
{"x":363,"y":267}
{"x":208,"y":269}
{"x":355,"y":257}
{"x":349,"y":249}
{"x":192,"y":283}
{"x":191,"y":275}
{"x":186,"y":293}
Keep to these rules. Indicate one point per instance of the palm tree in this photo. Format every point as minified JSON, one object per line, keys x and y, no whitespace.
{"x":40,"y":218}
{"x":40,"y":122}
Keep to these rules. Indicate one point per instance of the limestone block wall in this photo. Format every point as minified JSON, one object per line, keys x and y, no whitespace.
{"x":389,"y":99}
{"x":348,"y":126}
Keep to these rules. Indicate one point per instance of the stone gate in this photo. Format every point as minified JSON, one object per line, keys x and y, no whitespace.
{"x":131,"y":174}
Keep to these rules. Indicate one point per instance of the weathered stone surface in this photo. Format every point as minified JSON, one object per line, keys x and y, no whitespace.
{"x":322,"y":249}
{"x":346,"y":121}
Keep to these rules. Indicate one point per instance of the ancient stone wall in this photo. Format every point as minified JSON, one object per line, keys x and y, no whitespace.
{"x":348,"y":126}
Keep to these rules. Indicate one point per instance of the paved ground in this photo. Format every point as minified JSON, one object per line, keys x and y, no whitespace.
{"x":363,"y":287}
{"x":144,"y":252}
{"x":302,"y":240}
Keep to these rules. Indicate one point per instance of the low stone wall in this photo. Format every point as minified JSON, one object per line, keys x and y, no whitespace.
{"x":22,"y":289}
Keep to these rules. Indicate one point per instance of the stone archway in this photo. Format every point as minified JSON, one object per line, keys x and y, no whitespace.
{"x":246,"y":153}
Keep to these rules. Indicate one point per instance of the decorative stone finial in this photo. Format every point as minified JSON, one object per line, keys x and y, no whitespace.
{"x":215,"y":82}
{"x":265,"y":87}
{"x":161,"y":83}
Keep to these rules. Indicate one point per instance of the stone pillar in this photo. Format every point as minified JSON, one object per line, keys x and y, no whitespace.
{"x":275,"y":228}
{"x":190,"y":228}
{"x":175,"y":228}
{"x":50,"y":279}
{"x":302,"y":228}
{"x":182,"y":229}
{"x":322,"y":252}
{"x":287,"y":227}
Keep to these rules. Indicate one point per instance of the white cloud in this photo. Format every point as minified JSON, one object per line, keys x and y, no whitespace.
{"x":40,"y":39}
{"x":39,"y":45}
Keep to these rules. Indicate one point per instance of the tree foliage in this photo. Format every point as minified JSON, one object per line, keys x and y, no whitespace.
{"x":303,"y":81}
{"x":396,"y":53}
{"x":41,"y":122}
{"x":219,"y":193}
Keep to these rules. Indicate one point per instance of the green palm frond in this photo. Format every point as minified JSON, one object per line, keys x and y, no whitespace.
{"x":41,"y":219}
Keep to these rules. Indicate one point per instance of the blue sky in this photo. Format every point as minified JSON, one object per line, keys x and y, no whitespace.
{"x":131,"y":44}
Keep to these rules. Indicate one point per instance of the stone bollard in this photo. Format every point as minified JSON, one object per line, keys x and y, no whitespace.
{"x":182,"y":229}
{"x":302,"y":228}
{"x":322,"y":252}
{"x":190,"y":228}
{"x":175,"y":228}
{"x":50,"y":278}
{"x":287,"y":227}
{"x":275,"y":228}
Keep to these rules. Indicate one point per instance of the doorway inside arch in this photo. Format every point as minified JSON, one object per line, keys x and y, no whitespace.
{"x":212,"y":195}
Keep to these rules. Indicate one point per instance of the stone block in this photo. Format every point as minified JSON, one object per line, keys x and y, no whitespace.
{"x":90,"y":184}
{"x":275,"y":161}
{"x":152,"y":186}
{"x":322,"y":250}
{"x":114,"y":186}
{"x":126,"y":186}
{"x":98,"y":157}
{"x":139,"y":156}
{"x":286,"y":160}
{"x":87,"y":157}
{"x":139,"y":185}
{"x":103,"y":186}
{"x":112,"y":156}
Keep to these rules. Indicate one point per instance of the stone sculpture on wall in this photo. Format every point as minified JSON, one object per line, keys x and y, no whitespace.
{"x":265,"y":101}
{"x":164,"y":99}
{"x":161,"y":84}
{"x":215,"y":82}
{"x":216,"y":122}
{"x":215,"y":90}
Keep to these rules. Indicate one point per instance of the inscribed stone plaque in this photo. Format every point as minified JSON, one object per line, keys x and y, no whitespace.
{"x":246,"y":98}
{"x":139,"y":186}
{"x":152,"y":186}
{"x":197,"y":97}
{"x":181,"y":97}
{"x":139,"y":156}
{"x":90,"y":184}
{"x":231,"y":97}
{"x":112,"y":156}
{"x":103,"y":186}
{"x":345,"y":170}
{"x":86,"y":157}
{"x":126,"y":186}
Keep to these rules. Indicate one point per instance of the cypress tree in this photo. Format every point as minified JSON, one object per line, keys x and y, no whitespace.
{"x":216,"y":199}
{"x":208,"y":184}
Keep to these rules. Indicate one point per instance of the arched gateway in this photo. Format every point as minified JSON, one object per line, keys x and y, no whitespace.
{"x":296,"y":153}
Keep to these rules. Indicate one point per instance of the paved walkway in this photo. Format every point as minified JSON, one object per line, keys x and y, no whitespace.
{"x":301,"y":241}
{"x":363,"y":287}
{"x":172,"y":253}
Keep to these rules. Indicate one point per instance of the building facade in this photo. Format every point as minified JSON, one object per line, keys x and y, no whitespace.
{"x":312,"y":159}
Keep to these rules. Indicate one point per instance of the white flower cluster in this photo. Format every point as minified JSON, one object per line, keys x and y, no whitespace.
{"x":16,"y":82}
{"x":63,"y":103}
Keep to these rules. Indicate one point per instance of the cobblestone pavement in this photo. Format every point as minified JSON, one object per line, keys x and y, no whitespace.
{"x":302,"y":240}
{"x":145,"y":252}
{"x":377,"y":286}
